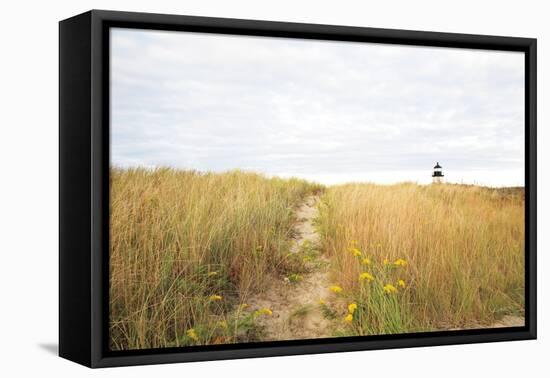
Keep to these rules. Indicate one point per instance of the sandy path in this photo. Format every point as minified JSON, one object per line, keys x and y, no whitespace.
{"x":295,"y":305}
{"x":504,"y":322}
{"x":509,"y":321}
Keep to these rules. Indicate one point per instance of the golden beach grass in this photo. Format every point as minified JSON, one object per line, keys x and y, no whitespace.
{"x":188,"y":248}
{"x":415,"y":258}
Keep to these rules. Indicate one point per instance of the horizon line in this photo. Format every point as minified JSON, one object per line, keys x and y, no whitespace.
{"x":298,"y":177}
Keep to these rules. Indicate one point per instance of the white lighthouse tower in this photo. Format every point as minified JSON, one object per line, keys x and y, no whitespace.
{"x":437,"y":176}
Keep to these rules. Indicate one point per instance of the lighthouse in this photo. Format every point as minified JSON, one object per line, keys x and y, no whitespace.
{"x":437,"y":176}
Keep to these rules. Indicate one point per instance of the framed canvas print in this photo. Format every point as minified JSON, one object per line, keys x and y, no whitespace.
{"x":236,"y":188}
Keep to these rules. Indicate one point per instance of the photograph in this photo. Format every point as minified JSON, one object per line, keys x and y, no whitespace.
{"x":266,"y":189}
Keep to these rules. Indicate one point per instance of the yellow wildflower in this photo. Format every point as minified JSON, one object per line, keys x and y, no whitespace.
{"x":335,"y":289}
{"x":366,"y":261}
{"x":294,"y":278}
{"x":401,"y":283}
{"x":390,"y":289}
{"x":322,"y":302}
{"x":216,"y":298}
{"x":386,"y":262}
{"x":243,"y":306}
{"x":192,"y":334}
{"x":352,"y":307}
{"x":222,"y":324}
{"x":400,"y":262}
{"x":366,"y":276}
{"x":211,"y":274}
{"x":356,"y":252}
{"x":263,"y":311}
{"x":348,"y":318}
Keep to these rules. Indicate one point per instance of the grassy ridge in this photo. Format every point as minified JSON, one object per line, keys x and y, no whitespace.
{"x":188,"y":248}
{"x":438,"y":256}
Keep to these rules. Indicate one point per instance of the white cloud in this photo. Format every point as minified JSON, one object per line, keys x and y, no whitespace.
{"x":328,"y":111}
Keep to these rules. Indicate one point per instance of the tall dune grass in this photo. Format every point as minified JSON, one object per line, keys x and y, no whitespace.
{"x":454,"y":254}
{"x":188,"y":248}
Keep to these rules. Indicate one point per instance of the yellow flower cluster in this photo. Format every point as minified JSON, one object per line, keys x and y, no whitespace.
{"x":351,"y":310}
{"x":366,"y":276}
{"x":400,"y":262}
{"x":216,"y":298}
{"x":211,"y":274}
{"x":336,"y":289}
{"x":263,"y":311}
{"x":192,"y":334}
{"x":222,"y":324}
{"x":390,"y":289}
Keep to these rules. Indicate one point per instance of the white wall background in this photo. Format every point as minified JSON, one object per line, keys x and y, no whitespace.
{"x":29,"y":186}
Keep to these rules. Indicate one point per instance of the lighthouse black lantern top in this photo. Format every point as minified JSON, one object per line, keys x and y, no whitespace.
{"x":438,"y":174}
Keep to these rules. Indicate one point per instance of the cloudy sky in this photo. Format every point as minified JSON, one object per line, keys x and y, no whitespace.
{"x":331,"y":112}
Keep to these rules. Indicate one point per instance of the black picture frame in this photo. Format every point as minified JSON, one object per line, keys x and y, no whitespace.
{"x":84,"y":186}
